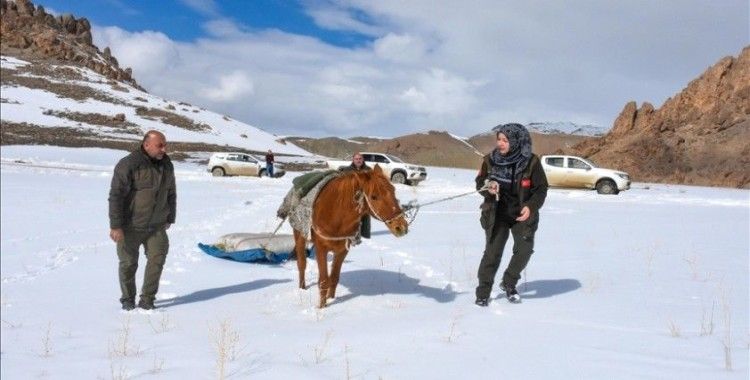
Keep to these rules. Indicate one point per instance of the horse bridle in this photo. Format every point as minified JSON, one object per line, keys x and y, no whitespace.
{"x":360,"y":199}
{"x":360,"y":194}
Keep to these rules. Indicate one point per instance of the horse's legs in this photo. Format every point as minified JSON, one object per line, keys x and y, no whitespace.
{"x":338,"y":260}
{"x":321,"y":256}
{"x":299,"y":249}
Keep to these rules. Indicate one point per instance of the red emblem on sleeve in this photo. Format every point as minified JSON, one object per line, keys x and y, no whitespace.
{"x":526,"y":183}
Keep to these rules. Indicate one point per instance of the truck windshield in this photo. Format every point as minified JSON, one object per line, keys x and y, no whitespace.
{"x":395,"y":159}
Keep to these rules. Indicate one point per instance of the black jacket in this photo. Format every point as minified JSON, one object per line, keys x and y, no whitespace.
{"x":143,"y":194}
{"x":529,"y":188}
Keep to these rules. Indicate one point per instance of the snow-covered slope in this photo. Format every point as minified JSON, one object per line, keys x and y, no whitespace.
{"x":44,"y":108}
{"x":567,"y":128}
{"x":464,"y":140}
{"x":649,"y":284}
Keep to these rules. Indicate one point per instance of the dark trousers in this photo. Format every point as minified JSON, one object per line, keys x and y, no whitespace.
{"x":269,"y":170}
{"x":365,"y":227}
{"x":156,"y":244}
{"x":523,"y":248}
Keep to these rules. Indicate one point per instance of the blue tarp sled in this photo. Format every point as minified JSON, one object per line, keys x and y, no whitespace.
{"x":253,"y":248}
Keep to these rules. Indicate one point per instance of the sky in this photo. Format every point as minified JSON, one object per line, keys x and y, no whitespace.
{"x":391,"y":67}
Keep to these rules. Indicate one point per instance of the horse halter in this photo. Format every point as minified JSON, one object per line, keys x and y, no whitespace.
{"x":361,"y":198}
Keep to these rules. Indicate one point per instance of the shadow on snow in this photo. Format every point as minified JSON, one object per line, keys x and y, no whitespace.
{"x":209,"y":294}
{"x":375,"y":282}
{"x":547,"y":288}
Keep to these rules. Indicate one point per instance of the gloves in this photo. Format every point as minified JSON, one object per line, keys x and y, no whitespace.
{"x":493,"y":187}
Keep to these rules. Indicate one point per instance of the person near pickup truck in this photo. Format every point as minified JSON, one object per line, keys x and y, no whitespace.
{"x":269,"y":163}
{"x":516,"y":188}
{"x":358,"y":164}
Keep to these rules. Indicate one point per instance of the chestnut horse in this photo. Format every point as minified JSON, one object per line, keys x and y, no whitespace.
{"x":336,"y":216}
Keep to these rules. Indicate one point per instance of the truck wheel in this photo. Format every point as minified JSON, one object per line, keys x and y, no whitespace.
{"x":606,"y":186}
{"x":218,"y":172}
{"x":262,"y":173}
{"x":399,"y":178}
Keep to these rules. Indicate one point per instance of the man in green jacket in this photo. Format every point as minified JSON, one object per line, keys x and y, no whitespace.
{"x":516,"y":189}
{"x":142,"y":206}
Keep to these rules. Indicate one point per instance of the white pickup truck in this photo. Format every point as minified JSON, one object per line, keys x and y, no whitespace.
{"x":576,"y":172}
{"x":393,"y":167}
{"x":236,"y":163}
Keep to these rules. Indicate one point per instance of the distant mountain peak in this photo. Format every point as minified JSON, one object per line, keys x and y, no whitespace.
{"x":566,"y":128}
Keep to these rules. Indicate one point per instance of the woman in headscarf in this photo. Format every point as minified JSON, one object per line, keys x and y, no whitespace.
{"x":515,"y":191}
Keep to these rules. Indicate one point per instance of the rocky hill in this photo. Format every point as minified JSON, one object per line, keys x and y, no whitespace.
{"x":28,"y":31}
{"x":334,"y":147}
{"x":60,"y":89}
{"x":700,"y":136}
{"x":433,"y":148}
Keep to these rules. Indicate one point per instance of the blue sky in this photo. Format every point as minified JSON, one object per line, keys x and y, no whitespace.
{"x":181,"y":20}
{"x":393,"y":67}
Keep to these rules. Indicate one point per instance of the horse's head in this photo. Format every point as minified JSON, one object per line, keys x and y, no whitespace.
{"x":380,"y":196}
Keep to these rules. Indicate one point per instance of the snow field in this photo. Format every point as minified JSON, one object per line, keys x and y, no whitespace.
{"x":652,"y":283}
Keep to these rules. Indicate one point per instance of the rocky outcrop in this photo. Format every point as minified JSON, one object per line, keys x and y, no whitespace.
{"x":700,"y":136}
{"x":29,"y":31}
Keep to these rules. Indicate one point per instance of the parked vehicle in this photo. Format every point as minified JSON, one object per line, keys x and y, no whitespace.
{"x":393,"y":167}
{"x":223,"y":164}
{"x":576,"y":172}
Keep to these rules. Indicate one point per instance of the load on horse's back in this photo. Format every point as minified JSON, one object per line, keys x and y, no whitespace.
{"x":336,"y":205}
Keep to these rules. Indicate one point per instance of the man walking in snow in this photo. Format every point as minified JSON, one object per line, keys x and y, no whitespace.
{"x":142,"y":207}
{"x":269,"y":163}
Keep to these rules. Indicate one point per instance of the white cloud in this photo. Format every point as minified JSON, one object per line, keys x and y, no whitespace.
{"x":150,"y":54}
{"x":205,"y":7}
{"x":342,"y":19}
{"x":400,"y":48}
{"x":462,"y":67}
{"x":439,"y":93}
{"x":222,"y":27}
{"x":235,"y":86}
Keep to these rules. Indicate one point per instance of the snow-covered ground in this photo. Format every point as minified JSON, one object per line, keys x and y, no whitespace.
{"x":652,"y":283}
{"x":29,"y":105}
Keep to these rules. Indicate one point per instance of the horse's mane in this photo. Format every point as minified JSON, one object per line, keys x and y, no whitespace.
{"x":347,"y":184}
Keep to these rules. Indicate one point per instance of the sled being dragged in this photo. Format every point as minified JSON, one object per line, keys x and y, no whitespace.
{"x":253,"y":248}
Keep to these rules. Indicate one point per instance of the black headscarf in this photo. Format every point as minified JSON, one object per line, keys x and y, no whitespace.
{"x":504,"y":168}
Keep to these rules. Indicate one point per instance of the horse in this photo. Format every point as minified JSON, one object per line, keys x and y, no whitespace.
{"x":336,"y":217}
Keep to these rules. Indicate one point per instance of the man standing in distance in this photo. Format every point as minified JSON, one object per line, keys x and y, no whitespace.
{"x":269,"y":163}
